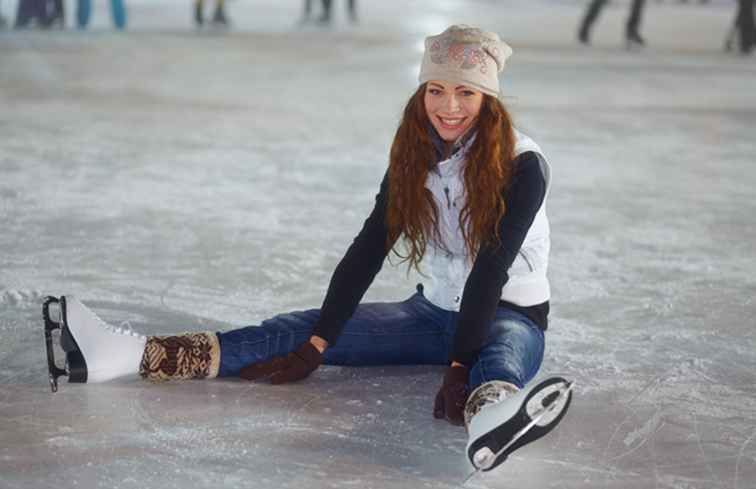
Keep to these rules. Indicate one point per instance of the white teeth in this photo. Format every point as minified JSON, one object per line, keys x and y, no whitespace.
{"x":452,"y":122}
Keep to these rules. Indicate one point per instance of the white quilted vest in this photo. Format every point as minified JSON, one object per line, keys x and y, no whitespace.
{"x":448,"y":266}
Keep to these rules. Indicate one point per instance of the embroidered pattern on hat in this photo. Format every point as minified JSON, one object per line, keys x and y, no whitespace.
{"x":465,"y":56}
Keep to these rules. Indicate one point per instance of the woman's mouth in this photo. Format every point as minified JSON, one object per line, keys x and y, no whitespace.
{"x":451,"y":123}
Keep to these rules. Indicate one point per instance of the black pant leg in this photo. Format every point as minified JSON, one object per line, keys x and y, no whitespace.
{"x":29,"y":10}
{"x":636,"y":13}
{"x":594,"y":9}
{"x":24,"y":12}
{"x":326,"y":9}
{"x":746,"y":27}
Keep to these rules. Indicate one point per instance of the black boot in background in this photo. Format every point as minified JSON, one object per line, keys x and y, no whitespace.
{"x":634,"y":40}
{"x":746,"y":27}
{"x":632,"y":36}
{"x":219,"y":17}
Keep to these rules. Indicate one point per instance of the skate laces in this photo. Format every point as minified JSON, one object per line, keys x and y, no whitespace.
{"x":123,"y":329}
{"x":491,"y":396}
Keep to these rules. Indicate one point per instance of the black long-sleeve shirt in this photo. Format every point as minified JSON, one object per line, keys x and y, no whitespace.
{"x":482,"y":292}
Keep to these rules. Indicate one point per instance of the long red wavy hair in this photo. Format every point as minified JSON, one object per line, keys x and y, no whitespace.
{"x":412,"y":213}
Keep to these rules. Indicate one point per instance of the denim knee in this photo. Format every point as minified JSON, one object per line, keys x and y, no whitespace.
{"x":513,"y":352}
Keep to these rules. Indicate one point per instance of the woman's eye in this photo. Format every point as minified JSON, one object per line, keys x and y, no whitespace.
{"x":434,"y":91}
{"x":468,"y":93}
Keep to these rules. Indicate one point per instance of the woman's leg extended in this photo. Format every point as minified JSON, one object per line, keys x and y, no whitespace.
{"x":513,"y":352}
{"x":378,"y":333}
{"x":274,"y":337}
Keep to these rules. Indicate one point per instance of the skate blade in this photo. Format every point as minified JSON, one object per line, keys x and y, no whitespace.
{"x":52,"y":315}
{"x":56,"y":328}
{"x":541,"y":412}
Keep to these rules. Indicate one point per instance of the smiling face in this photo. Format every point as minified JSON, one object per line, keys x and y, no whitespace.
{"x":452,"y":108}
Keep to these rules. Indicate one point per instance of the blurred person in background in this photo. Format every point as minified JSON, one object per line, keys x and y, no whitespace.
{"x":84,"y":13}
{"x":351,"y":11}
{"x":55,"y":14}
{"x":40,"y":13}
{"x":218,"y":19}
{"x":632,"y":35}
{"x":307,"y":13}
{"x":743,"y":28}
{"x":31,"y":13}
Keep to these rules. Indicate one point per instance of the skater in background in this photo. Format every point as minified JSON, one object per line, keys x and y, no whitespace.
{"x":3,"y":22}
{"x":463,"y":200}
{"x":218,"y":19}
{"x":55,"y":14}
{"x":84,"y":12}
{"x":31,"y":13}
{"x":307,"y":12}
{"x":43,"y":14}
{"x":351,"y":11}
{"x":632,"y":34}
{"x":743,"y":28}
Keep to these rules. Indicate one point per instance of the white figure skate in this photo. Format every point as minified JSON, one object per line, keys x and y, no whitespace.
{"x":502,"y":427}
{"x":95,"y":351}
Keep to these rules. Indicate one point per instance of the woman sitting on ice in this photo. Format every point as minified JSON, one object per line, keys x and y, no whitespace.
{"x":463,"y":200}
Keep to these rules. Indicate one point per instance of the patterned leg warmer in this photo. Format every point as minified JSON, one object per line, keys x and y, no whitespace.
{"x":487,"y":394}
{"x":187,"y":356}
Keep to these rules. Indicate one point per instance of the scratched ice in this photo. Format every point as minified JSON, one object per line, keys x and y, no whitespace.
{"x":177,"y":180}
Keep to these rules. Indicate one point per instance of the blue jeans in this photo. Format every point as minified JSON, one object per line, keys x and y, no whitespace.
{"x":394,"y":333}
{"x":84,"y":12}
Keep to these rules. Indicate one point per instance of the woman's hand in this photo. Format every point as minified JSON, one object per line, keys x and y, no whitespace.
{"x":295,"y":366}
{"x":451,"y":398}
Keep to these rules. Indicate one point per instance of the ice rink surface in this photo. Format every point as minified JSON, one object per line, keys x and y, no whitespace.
{"x":179,"y":180}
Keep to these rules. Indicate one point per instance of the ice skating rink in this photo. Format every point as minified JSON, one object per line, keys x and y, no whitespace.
{"x":180,"y":180}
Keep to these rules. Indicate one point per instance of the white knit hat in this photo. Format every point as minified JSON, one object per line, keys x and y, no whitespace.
{"x":465,"y":55}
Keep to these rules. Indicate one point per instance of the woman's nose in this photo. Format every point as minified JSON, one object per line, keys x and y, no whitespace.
{"x":452,"y":104}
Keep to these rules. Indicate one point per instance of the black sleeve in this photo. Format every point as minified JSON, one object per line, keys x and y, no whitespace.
{"x":356,"y":271}
{"x":489,"y":272}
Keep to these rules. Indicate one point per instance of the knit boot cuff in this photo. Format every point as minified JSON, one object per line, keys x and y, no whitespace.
{"x":487,"y":394}
{"x":186,"y":356}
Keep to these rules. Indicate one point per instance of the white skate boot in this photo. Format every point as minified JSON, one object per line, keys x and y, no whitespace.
{"x":500,"y":418}
{"x":95,"y":351}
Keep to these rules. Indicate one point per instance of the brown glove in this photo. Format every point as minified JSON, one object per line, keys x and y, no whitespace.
{"x":295,"y":366}
{"x":451,"y":398}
